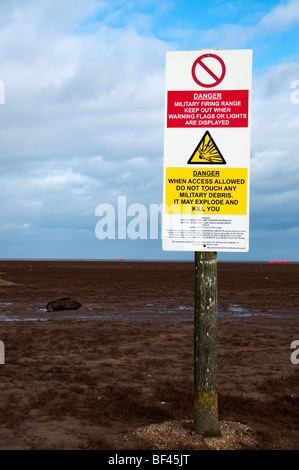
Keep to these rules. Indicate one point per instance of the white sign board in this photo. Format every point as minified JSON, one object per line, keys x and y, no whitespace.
{"x":207,"y":151}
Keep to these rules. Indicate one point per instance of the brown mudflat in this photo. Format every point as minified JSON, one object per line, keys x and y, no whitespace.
{"x":118,"y":372}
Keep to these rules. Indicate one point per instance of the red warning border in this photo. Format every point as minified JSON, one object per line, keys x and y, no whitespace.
{"x":224,"y":108}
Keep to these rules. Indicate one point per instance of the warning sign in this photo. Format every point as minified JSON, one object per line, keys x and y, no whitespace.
{"x":206,"y":152}
{"x":221,"y":109}
{"x":206,"y":175}
{"x":223,"y":192}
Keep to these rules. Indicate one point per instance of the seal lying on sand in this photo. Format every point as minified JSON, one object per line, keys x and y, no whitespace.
{"x":66,"y":303}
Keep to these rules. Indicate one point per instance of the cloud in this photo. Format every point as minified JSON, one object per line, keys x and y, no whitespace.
{"x":280,"y":17}
{"x":72,"y":96}
{"x":83,"y":117}
{"x":275,"y":163}
{"x":242,"y":34}
{"x":84,"y":114}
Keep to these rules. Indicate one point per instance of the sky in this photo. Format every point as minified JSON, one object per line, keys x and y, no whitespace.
{"x":82,"y":120}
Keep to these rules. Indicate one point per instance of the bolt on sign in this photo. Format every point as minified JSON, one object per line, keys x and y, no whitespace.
{"x":207,"y":151}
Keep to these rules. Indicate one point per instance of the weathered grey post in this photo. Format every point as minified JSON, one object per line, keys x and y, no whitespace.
{"x":205,"y":343}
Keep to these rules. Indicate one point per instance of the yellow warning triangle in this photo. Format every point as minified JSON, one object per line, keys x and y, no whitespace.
{"x":207,"y":152}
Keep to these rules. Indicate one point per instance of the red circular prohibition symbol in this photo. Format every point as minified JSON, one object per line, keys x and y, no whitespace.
{"x":200,"y":62}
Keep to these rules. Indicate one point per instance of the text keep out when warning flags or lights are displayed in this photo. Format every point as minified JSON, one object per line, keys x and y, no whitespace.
{"x":221,"y":109}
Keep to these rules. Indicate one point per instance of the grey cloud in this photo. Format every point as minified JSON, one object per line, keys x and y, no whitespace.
{"x":83,"y":124}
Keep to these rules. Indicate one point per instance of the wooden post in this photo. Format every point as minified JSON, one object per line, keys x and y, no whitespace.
{"x":205,"y":343}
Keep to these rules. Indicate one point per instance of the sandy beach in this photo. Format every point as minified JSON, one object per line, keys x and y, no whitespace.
{"x":118,"y":372}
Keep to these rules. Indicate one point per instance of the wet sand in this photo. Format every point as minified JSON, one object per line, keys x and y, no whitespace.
{"x":96,"y":377}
